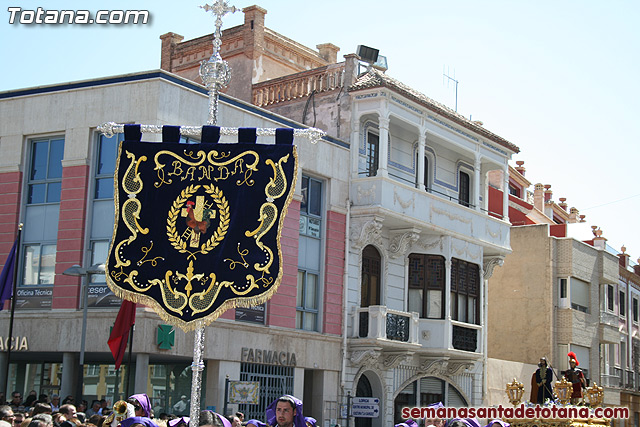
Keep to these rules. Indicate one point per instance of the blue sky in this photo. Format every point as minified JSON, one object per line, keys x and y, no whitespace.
{"x":557,"y":78}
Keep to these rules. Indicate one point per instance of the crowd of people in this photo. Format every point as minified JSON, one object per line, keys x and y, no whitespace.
{"x":40,"y":411}
{"x":286,"y":411}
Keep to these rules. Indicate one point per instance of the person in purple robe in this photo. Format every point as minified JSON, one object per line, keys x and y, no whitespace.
{"x":286,"y":411}
{"x":141,"y":404}
{"x":179,"y":422}
{"x":145,"y":421}
{"x":463,"y":422}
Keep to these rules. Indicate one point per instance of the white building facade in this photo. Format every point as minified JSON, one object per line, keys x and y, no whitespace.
{"x":422,"y":244}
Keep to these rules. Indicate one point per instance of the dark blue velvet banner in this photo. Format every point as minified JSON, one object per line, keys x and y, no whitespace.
{"x":198,"y":226}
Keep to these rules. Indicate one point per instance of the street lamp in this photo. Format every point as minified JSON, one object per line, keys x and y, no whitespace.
{"x":85,"y":273}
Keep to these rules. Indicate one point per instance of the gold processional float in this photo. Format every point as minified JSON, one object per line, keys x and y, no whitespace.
{"x":594,"y":397}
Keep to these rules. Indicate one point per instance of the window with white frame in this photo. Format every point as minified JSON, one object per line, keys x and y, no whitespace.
{"x":44,"y":187}
{"x":623,"y":303}
{"x":370,"y":280}
{"x":609,"y":298}
{"x":579,"y":293}
{"x":309,"y":255}
{"x":426,"y":285}
{"x":635,"y":309}
{"x":102,"y":212}
{"x":92,"y":370}
{"x":465,"y":291}
{"x":563,"y":291}
{"x":514,"y":191}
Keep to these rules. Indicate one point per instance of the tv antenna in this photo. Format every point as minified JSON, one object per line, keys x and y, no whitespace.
{"x":450,"y":80}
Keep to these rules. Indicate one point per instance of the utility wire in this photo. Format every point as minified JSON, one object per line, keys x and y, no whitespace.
{"x":610,"y":203}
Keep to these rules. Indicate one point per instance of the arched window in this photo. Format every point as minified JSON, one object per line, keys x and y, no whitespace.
{"x":370,"y":286}
{"x":364,"y":389}
{"x":426,"y":391}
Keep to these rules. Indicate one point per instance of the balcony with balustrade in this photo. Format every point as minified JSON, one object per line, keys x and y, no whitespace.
{"x":381,"y":328}
{"x":612,"y":377}
{"x":405,"y":206}
{"x":631,"y":380}
{"x":386,"y":328}
{"x":299,"y":85}
{"x":608,"y":329}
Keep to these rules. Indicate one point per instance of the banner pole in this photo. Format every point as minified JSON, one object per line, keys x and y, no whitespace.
{"x":13,"y":307}
{"x":215,"y":74}
{"x":196,"y":371}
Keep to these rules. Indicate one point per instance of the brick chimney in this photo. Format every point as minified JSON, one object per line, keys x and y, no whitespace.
{"x":328,"y":52}
{"x":563,"y":203}
{"x":538,"y":197}
{"x":169,"y":42}
{"x":521,"y":170}
{"x":636,"y":268}
{"x":548,"y":203}
{"x":624,"y":258}
{"x":350,"y":69}
{"x":547,"y":192}
{"x":573,"y":215}
{"x":253,"y":31}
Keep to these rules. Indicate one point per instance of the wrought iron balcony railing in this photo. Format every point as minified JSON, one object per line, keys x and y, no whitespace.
{"x":379,"y":322}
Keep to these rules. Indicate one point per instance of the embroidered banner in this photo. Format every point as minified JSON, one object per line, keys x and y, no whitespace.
{"x":198,"y":226}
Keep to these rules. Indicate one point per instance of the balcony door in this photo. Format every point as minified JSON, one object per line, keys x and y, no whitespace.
{"x":370,"y":286}
{"x":464,"y":196}
{"x":373,"y":153}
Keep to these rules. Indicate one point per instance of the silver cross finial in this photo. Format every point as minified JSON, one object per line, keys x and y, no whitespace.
{"x":219,"y":9}
{"x":215,"y":73}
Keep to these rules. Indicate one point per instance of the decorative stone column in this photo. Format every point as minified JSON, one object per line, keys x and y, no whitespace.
{"x":505,"y":197}
{"x":355,"y":147}
{"x":476,"y":182}
{"x":383,"y":124}
{"x":447,"y":298}
{"x":420,"y":172}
